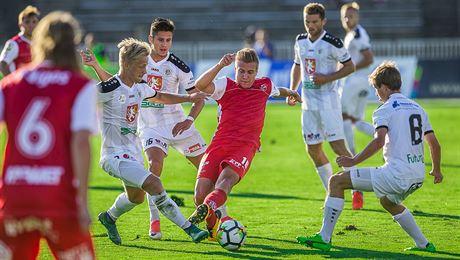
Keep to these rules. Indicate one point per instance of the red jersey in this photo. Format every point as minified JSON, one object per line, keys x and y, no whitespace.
{"x":37,"y":176}
{"x":241,"y":111}
{"x":17,"y":52}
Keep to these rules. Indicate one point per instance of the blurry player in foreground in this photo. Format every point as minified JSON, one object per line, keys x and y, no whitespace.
{"x":242,"y":106}
{"x":16,"y":52}
{"x":401,"y":125}
{"x":121,"y":97}
{"x":49,"y":110}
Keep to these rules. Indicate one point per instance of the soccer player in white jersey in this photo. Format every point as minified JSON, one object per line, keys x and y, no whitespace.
{"x":161,"y":126}
{"x":355,"y":86}
{"x":400,"y":127}
{"x":317,"y":54}
{"x":121,"y":157}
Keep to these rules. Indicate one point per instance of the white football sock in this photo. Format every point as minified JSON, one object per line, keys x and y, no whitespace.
{"x":120,"y":206}
{"x":324,"y":172}
{"x":154,"y":213}
{"x":169,"y":209}
{"x":349,"y":134}
{"x":365,"y":127}
{"x":223,"y":211}
{"x":332,"y":209}
{"x":407,"y":222}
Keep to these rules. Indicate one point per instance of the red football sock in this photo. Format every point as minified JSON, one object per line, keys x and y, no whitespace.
{"x":214,"y":200}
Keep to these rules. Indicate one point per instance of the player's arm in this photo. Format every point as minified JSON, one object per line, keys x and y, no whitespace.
{"x":435,"y":153}
{"x":294,"y":84}
{"x":366,"y":61}
{"x":180,"y":127}
{"x":374,"y":146}
{"x":4,"y":68}
{"x":290,"y":94}
{"x":169,"y":98}
{"x":88,"y":59}
{"x":205,"y":82}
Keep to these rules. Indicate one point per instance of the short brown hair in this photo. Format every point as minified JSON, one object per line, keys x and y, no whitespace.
{"x":160,"y":24}
{"x":28,"y":11}
{"x":247,"y":55}
{"x":315,"y":8}
{"x":352,"y":5}
{"x":56,"y":38}
{"x":386,"y":73}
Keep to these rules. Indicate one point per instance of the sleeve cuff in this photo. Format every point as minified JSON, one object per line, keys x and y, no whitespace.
{"x":428,"y":132}
{"x":381,"y":126}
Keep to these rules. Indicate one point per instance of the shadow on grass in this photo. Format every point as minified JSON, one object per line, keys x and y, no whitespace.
{"x":419,"y":213}
{"x":444,"y":165}
{"x":238,"y":194}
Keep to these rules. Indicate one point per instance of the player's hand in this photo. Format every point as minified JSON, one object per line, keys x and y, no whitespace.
{"x":88,"y":58}
{"x":318,"y":79}
{"x":290,"y":101}
{"x":294,"y":97}
{"x":197,"y":97}
{"x":227,"y":59}
{"x":437,"y":176}
{"x":345,"y":161}
{"x":181,"y":127}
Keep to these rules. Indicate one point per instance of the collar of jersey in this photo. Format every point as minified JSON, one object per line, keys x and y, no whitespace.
{"x":123,"y":84}
{"x":21,"y":35}
{"x":317,"y":40}
{"x":159,"y":62}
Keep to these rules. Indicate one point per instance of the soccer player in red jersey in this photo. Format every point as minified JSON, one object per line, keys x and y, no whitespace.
{"x":49,"y":109}
{"x":241,"y":118}
{"x":16,"y":52}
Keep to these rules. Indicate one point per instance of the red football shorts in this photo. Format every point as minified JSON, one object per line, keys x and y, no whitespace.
{"x":214,"y":160}
{"x":20,"y":238}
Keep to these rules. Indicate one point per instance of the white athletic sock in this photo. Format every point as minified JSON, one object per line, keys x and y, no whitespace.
{"x":349,"y":134}
{"x":324,"y":172}
{"x":120,"y":206}
{"x":365,"y":127}
{"x":223,"y":211}
{"x":154,"y":213}
{"x":169,"y":209}
{"x":407,"y":222}
{"x":332,"y":209}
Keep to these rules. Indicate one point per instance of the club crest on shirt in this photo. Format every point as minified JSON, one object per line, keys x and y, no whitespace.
{"x":310,"y":66}
{"x":168,"y":72}
{"x":155,"y":82}
{"x":263,"y":87}
{"x":131,"y":112}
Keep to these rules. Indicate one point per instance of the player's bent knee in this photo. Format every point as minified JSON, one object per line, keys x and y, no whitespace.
{"x":152,"y":185}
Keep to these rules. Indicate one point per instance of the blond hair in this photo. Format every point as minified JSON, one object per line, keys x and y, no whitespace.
{"x":386,"y":73}
{"x":56,"y":38}
{"x":247,"y":55}
{"x":28,"y":11}
{"x":352,"y":5}
{"x":132,"y":49}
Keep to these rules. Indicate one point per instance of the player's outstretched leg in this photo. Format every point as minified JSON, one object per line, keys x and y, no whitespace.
{"x":200,"y":214}
{"x":109,"y":224}
{"x":314,"y":241}
{"x":195,"y":233}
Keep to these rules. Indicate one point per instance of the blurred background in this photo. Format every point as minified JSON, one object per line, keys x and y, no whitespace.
{"x":422,"y":36}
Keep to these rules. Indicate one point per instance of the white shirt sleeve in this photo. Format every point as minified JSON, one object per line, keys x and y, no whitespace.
{"x":427,"y":128}
{"x":187,"y":81}
{"x":275,"y":91}
{"x":2,"y":106}
{"x":364,"y":42}
{"x":84,"y":110}
{"x":220,"y":85}
{"x":296,"y":53}
{"x":341,"y":54}
{"x":10,"y":52}
{"x":146,"y":91}
{"x":381,"y":117}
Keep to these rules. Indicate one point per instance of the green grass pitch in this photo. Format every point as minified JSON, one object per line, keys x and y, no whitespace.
{"x":281,"y":196}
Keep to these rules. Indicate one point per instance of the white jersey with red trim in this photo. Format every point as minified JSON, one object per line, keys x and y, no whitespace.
{"x":167,"y":76}
{"x":119,"y":116}
{"x":320,"y":56}
{"x":407,"y":123}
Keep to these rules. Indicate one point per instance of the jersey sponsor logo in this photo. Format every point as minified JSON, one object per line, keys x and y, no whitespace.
{"x":36,"y":175}
{"x":81,"y":251}
{"x":131,"y":112}
{"x":414,"y":158}
{"x":45,"y":78}
{"x":128,"y":130}
{"x":244,"y":163}
{"x":194,"y":148}
{"x":311,"y":136}
{"x":150,"y":141}
{"x":148,"y":104}
{"x":395,"y":104}
{"x":155,"y":82}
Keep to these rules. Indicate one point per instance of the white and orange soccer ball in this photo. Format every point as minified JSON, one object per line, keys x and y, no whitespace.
{"x":231,"y":234}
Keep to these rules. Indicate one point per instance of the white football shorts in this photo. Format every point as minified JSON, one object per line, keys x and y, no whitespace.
{"x":382,"y":181}
{"x":126,"y":168}
{"x":189,"y":143}
{"x":354,"y":96}
{"x":320,"y":125}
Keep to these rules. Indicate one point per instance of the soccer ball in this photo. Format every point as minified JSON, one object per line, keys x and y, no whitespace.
{"x":231,"y":234}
